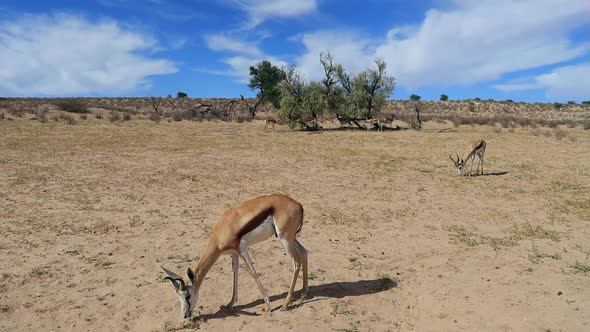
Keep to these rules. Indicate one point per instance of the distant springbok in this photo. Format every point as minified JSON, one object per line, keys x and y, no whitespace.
{"x":476,"y":148}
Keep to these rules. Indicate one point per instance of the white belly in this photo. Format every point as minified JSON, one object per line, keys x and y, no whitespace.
{"x":265,"y":230}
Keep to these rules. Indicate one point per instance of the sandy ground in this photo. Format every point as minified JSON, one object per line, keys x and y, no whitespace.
{"x":397,"y":241}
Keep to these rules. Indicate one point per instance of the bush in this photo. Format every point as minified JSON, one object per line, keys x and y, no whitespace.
{"x":126,"y":117}
{"x":177,"y":116}
{"x":181,"y":94}
{"x":444,"y":97}
{"x":559,"y":134}
{"x":536,"y":132}
{"x":155,"y":117}
{"x":497,"y":129}
{"x":547,"y":133}
{"x":41,"y":115}
{"x":68,"y":119}
{"x":572,"y":137}
{"x":83,"y":116}
{"x":114,"y":116}
{"x":571,"y":102}
{"x":72,"y":106}
{"x":586,"y":125}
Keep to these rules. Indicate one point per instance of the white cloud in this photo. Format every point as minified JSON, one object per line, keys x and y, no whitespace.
{"x":261,"y":10}
{"x":222,"y":42}
{"x":466,"y":43}
{"x":69,"y":55}
{"x":349,"y":49}
{"x":562,"y":83}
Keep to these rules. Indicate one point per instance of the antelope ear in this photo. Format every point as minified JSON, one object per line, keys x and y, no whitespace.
{"x":191,"y":275}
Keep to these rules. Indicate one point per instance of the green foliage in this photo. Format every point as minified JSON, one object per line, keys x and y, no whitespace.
{"x":444,"y":97}
{"x":266,"y":78}
{"x":586,"y":102}
{"x":558,"y":105}
{"x":365,"y":93}
{"x":358,"y":96}
{"x":477,"y":99}
{"x":571,"y":102}
{"x":509,"y":100}
{"x":415,"y":98}
{"x":181,"y":94}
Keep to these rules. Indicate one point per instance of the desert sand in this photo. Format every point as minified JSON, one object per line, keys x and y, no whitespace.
{"x":397,"y":240}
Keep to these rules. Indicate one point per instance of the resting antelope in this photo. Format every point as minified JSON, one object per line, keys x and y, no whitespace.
{"x":251,"y":222}
{"x":477,"y":148}
{"x":270,"y":122}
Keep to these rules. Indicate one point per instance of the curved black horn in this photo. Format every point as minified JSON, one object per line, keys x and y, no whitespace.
{"x":174,"y":283}
{"x":173,"y":277}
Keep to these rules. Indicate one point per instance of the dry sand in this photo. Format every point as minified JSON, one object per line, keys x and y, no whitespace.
{"x":397,"y":241}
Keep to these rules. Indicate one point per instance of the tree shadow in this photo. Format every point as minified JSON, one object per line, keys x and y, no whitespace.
{"x":335,"y":290}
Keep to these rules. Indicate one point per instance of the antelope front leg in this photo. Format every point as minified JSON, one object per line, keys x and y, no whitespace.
{"x":252,"y":270}
{"x":235,"y":265}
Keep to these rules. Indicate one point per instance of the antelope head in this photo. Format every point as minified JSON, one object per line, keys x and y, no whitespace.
{"x":459,"y":164}
{"x":186,"y":295}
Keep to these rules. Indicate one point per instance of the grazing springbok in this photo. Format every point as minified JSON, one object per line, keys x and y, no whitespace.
{"x":251,"y":222}
{"x":476,"y":148}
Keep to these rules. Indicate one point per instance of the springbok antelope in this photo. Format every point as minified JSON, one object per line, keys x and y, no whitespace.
{"x":476,"y":148}
{"x":251,"y":222}
{"x":269,"y":122}
{"x":380,"y":123}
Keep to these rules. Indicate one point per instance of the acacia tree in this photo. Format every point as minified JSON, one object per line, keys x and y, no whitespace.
{"x":301,"y":102}
{"x":265,"y":78}
{"x":365,"y":93}
{"x":333,"y":93}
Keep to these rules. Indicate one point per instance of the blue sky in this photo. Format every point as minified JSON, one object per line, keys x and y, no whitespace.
{"x":525,"y":50}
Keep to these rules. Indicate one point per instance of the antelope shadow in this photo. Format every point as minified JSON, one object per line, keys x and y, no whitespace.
{"x":335,"y":290}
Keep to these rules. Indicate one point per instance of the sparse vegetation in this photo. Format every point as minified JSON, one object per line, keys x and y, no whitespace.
{"x":580,"y":267}
{"x":536,"y":256}
{"x":340,"y":309}
{"x":67,"y":118}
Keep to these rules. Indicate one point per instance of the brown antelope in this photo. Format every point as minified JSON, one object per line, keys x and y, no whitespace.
{"x":378,"y":122}
{"x":269,"y":122}
{"x":252,"y":222}
{"x":476,"y":148}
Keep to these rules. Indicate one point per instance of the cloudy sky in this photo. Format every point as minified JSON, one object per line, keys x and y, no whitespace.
{"x":528,"y":50}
